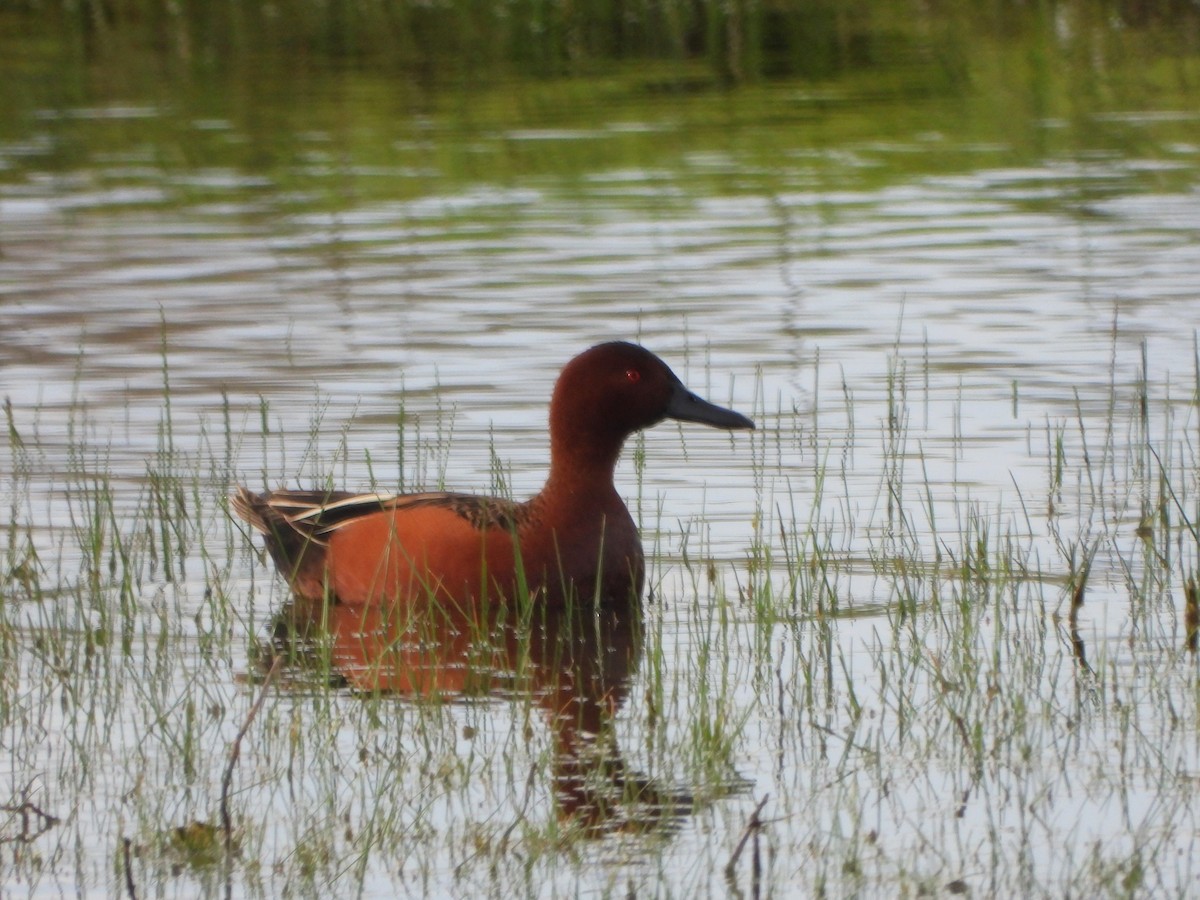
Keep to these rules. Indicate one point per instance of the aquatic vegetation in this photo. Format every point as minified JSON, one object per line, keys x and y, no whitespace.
{"x":921,"y":695}
{"x":932,"y":628}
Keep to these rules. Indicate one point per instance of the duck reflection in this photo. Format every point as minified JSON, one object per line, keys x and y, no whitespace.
{"x":575,"y":661}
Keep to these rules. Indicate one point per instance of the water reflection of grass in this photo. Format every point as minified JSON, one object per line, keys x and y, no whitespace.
{"x":853,"y":99}
{"x":932,"y":693}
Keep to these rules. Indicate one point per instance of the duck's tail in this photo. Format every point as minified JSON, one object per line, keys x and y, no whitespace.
{"x":292,"y":535}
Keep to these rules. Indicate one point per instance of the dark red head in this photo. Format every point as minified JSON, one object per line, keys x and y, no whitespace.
{"x":612,"y":390}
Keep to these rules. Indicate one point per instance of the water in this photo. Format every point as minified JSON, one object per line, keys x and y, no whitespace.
{"x":990,"y":266}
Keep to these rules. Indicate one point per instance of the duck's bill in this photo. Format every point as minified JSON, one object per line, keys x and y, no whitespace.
{"x":687,"y":407}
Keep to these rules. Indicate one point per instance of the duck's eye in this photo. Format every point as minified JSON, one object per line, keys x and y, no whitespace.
{"x":633,"y":375}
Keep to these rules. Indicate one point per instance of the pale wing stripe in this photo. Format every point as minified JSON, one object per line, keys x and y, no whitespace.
{"x":313,"y":510}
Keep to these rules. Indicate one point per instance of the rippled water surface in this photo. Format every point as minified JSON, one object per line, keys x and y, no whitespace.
{"x":961,"y":325}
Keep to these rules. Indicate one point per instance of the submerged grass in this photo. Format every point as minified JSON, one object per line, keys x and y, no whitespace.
{"x":898,"y":684}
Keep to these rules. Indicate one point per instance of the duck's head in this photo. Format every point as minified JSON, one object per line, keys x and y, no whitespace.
{"x":612,"y":390}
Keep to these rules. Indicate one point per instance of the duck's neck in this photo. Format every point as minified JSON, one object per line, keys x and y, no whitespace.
{"x":582,"y":469}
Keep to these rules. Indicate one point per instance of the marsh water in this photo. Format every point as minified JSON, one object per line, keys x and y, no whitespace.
{"x":952,"y":269}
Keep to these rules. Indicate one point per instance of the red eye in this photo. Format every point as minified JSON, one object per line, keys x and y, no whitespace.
{"x":633,"y":375}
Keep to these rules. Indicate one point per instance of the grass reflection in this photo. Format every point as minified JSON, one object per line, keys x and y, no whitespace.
{"x":334,"y":105}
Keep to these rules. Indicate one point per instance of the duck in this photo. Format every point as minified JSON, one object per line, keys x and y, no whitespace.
{"x":575,"y":539}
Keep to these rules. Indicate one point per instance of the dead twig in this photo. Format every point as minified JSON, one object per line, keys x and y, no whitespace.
{"x":753,"y":826}
{"x":130,"y":887}
{"x":1191,"y":613}
{"x":235,"y":751}
{"x":35,"y":821}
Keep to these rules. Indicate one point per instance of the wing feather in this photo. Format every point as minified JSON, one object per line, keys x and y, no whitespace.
{"x":316,"y":514}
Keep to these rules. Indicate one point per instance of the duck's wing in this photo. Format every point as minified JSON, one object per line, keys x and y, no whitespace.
{"x":298,"y":525}
{"x":313,"y":515}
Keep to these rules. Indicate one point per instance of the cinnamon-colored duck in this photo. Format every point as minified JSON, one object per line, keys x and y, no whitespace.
{"x":575,"y":538}
{"x":407,"y":577}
